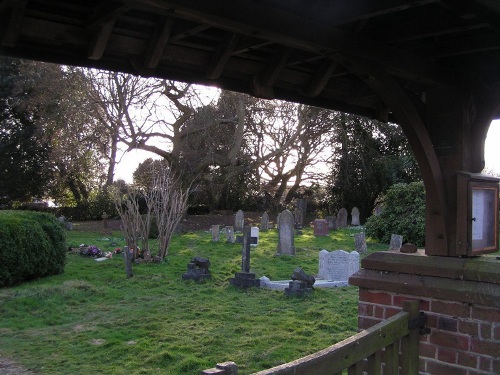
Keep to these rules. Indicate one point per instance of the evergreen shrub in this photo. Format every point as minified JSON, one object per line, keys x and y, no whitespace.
{"x":32,"y":245}
{"x":403,"y":213}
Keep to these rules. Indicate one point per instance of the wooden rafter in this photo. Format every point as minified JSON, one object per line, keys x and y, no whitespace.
{"x":263,"y":82}
{"x":158,"y":42}
{"x":321,"y":78}
{"x":222,"y":55}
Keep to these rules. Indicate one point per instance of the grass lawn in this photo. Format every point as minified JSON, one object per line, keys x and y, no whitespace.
{"x":92,"y":320}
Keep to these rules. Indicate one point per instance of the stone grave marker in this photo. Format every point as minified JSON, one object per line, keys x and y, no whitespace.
{"x":360,"y":242}
{"x":264,"y":222}
{"x":378,"y":209}
{"x":396,"y":242}
{"x":320,"y":227}
{"x":286,"y":234}
{"x":337,"y":265}
{"x":239,"y":221}
{"x":197,"y":269}
{"x":332,"y":222}
{"x":302,"y":204}
{"x":215,"y":233}
{"x":245,"y":278}
{"x":254,"y":236}
{"x":342,"y":218}
{"x":301,"y":283}
{"x":230,"y":234}
{"x":355,"y":217}
{"x":298,"y":215}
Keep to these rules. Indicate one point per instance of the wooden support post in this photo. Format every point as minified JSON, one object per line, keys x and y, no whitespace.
{"x":410,"y":343}
{"x":127,"y":257}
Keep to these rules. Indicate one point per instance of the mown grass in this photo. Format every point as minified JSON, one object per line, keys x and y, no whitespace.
{"x":92,"y":320}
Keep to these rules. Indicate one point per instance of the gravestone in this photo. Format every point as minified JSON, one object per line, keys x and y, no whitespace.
{"x":360,"y":242}
{"x":298,"y":215}
{"x":254,"y":236}
{"x":105,"y":220}
{"x":355,"y":217}
{"x":301,"y":283}
{"x":286,"y":234}
{"x":302,"y":204}
{"x":197,"y":269}
{"x":396,"y":242}
{"x":320,"y":227}
{"x":337,"y":265}
{"x":230,"y":234}
{"x":342,"y":218}
{"x":127,"y":257}
{"x":245,"y":278}
{"x":215,"y":233}
{"x":239,"y":221}
{"x":332,"y":222}
{"x":264,"y":222}
{"x":378,"y":209}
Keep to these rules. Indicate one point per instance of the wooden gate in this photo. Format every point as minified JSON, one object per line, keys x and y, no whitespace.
{"x":392,"y":344}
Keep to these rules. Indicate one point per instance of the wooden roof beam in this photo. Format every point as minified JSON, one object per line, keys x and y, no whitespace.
{"x":222,"y":55}
{"x":11,"y":34}
{"x":158,"y":42}
{"x":188,"y":32}
{"x":263,"y":82}
{"x":321,"y":78}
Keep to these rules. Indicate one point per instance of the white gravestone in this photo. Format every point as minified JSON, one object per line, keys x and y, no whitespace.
{"x":286,"y":233}
{"x":254,"y":236}
{"x":239,"y":221}
{"x":355,"y":217}
{"x":337,"y":265}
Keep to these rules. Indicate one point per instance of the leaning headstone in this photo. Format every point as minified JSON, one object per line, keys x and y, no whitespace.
{"x":286,"y":234}
{"x":342,"y":218}
{"x":215,"y":233}
{"x":332,"y":222}
{"x":337,"y":265}
{"x":320,"y":227}
{"x":239,"y":221}
{"x":230,"y":234}
{"x":264,"y":222}
{"x":396,"y":242}
{"x":360,"y":242}
{"x":245,"y":278}
{"x":127,"y":256}
{"x":355,"y":217}
{"x":298,"y":215}
{"x":197,"y":269}
{"x":301,"y":283}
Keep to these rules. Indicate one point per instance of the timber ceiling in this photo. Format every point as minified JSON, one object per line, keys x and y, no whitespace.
{"x":319,"y":52}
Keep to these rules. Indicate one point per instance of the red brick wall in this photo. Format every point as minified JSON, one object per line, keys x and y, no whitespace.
{"x":464,"y":338}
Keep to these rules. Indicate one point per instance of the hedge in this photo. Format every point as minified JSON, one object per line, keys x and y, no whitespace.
{"x":32,"y":245}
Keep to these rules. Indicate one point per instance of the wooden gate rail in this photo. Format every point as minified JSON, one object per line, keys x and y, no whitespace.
{"x":350,"y":354}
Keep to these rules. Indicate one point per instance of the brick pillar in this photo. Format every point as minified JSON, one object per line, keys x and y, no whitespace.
{"x":461,"y":298}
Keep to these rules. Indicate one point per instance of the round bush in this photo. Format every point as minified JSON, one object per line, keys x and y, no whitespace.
{"x":403,"y":213}
{"x":32,"y":245}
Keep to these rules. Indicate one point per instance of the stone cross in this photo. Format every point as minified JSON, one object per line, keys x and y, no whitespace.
{"x":286,"y":233}
{"x":355,"y":217}
{"x":239,"y":221}
{"x":245,"y":251}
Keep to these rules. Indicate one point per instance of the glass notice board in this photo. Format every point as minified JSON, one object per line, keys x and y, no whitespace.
{"x":483,"y":214}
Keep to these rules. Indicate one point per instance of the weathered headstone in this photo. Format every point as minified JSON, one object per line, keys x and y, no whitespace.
{"x":378,"y":209}
{"x":355,"y":217}
{"x":239,"y":221}
{"x":127,"y":257}
{"x":215,"y":233}
{"x":332,"y":222}
{"x":245,"y":278}
{"x":254,"y":236}
{"x":301,"y":283}
{"x":337,"y":265}
{"x":264,"y":222}
{"x":302,"y":204}
{"x":320,"y":227}
{"x":197,"y":269}
{"x":286,"y":234}
{"x":342,"y":218}
{"x":298,"y":215}
{"x":230,"y":234}
{"x":360,"y":242}
{"x":396,"y":242}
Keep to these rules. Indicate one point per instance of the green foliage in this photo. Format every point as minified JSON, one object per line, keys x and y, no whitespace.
{"x":403,"y":213}
{"x":32,"y":245}
{"x":77,"y":322}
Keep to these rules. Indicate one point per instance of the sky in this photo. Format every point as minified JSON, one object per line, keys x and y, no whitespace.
{"x":130,"y":160}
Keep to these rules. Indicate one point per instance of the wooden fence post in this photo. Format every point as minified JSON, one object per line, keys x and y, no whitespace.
{"x":410,"y":343}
